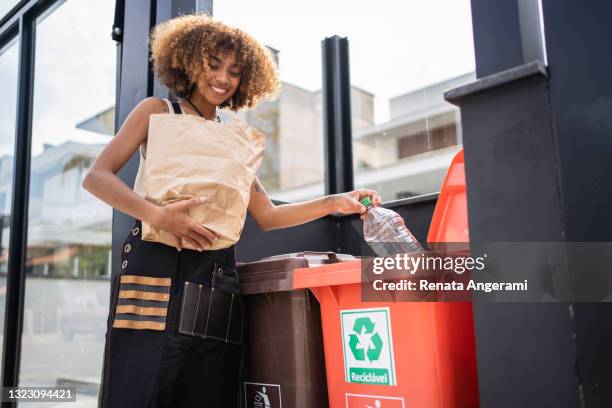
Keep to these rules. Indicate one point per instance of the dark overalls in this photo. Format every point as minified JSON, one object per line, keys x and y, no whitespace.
{"x":151,"y":359}
{"x":175,"y":328}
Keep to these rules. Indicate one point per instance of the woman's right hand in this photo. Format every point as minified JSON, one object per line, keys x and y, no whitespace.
{"x":175,"y":219}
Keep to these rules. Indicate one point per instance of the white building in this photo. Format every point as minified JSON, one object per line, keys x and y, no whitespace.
{"x":406,"y":156}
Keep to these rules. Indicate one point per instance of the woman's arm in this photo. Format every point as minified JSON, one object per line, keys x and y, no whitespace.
{"x":102,"y":180}
{"x":270,"y":216}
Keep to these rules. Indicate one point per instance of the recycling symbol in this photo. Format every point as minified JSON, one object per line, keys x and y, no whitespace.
{"x":364,"y":341}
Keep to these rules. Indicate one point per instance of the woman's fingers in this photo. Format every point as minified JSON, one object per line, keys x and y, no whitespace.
{"x":360,"y":208}
{"x":179,"y":244}
{"x":205,"y":232}
{"x":203,"y":242}
{"x":194,"y":235}
{"x":191,"y":202}
{"x":192,"y":242}
{"x":364,"y":192}
{"x":191,"y":232}
{"x":376,"y":199}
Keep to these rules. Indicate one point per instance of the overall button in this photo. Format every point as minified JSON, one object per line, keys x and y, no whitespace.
{"x":127,"y":248}
{"x":124,"y":264}
{"x":135,"y":231}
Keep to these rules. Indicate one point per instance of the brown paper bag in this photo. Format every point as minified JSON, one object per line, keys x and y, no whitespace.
{"x":189,"y":156}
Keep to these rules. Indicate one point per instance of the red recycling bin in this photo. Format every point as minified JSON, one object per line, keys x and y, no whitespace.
{"x":391,"y":354}
{"x":399,"y":354}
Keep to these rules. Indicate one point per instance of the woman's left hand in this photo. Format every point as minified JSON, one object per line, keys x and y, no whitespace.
{"x":348,"y":203}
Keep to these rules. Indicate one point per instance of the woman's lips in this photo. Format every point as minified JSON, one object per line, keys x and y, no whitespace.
{"x":217,"y":90}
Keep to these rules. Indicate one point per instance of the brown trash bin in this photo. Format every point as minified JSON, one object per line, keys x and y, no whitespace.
{"x":285,"y":365}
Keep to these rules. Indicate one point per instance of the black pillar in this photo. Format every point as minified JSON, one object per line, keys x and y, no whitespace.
{"x":506,"y":34}
{"x":537,"y":146}
{"x":135,"y":85}
{"x":580,"y":57}
{"x":525,"y":351}
{"x":15,"y":279}
{"x":337,"y":124}
{"x":167,"y":9}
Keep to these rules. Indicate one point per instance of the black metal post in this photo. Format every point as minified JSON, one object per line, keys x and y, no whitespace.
{"x":173,"y":8}
{"x":117,"y":35}
{"x":512,"y":191}
{"x":15,"y":283}
{"x":507,"y":33}
{"x":580,"y":57}
{"x":337,"y":124}
{"x":537,"y":148}
{"x":136,"y":84}
{"x":167,"y":9}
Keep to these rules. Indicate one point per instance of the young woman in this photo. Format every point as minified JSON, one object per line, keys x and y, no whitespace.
{"x":148,"y":362}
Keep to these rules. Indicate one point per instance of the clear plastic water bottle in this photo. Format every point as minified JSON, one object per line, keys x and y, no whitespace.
{"x":386,"y":231}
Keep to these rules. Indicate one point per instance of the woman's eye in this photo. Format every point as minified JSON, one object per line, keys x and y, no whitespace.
{"x":213,"y":66}
{"x":236,"y":74}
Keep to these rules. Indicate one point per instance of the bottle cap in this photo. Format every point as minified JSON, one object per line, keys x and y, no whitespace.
{"x":367,"y":201}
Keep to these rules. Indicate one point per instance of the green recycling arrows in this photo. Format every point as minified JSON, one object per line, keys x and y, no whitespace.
{"x":365,"y":342}
{"x":368,"y":346}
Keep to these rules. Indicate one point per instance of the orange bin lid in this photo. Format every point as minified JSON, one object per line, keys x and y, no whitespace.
{"x":342,"y":273}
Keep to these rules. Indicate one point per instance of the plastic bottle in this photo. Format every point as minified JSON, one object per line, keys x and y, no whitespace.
{"x":386,"y":232}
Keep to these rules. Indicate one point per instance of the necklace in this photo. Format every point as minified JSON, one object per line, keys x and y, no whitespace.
{"x":198,"y":111}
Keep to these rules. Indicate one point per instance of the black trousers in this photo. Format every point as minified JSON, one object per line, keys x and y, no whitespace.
{"x":147,"y":361}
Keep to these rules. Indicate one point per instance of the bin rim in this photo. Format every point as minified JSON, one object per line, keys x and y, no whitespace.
{"x":342,"y":273}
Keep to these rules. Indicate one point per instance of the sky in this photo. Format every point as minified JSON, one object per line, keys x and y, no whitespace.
{"x":74,"y":76}
{"x":395,"y":47}
{"x":6,"y":5}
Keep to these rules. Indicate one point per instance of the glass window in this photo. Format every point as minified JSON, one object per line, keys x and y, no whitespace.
{"x":8,"y":110}
{"x":69,"y":230}
{"x":412,"y":52}
{"x":293,"y":161}
{"x":403,"y":55}
{"x":6,"y":6}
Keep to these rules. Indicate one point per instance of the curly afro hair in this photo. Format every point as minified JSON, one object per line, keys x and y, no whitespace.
{"x":180,"y":48}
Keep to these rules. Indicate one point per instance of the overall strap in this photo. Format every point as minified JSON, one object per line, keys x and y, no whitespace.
{"x":173,"y":107}
{"x":177,"y":108}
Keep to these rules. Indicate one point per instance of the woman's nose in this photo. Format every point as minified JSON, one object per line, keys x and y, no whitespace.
{"x":222,"y":78}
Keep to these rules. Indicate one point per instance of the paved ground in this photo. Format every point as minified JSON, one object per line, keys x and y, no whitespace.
{"x":48,"y":359}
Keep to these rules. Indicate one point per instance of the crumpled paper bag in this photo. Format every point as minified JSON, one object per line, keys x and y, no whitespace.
{"x":189,"y":156}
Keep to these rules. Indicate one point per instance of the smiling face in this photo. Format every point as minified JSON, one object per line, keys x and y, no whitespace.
{"x":221,"y":80}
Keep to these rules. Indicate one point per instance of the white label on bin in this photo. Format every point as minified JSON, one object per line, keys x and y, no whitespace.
{"x":259,"y":395}
{"x":368,"y":346}
{"x":373,"y":401}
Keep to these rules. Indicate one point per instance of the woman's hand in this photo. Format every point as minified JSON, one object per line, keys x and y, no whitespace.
{"x":175,"y":219}
{"x":348,"y":203}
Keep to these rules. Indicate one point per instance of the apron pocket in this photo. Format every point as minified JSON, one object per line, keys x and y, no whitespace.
{"x":142,"y":302}
{"x":216,"y":311}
